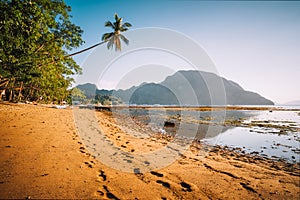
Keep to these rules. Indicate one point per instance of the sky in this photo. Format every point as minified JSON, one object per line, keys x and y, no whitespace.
{"x":256,"y":44}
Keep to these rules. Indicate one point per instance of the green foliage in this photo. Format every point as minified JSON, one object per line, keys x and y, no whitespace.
{"x":77,"y":94}
{"x":107,"y":99}
{"x":35,"y":35}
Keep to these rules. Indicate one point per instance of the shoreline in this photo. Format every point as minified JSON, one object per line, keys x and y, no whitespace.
{"x":198,"y":145}
{"x":44,"y":157}
{"x":196,"y":108}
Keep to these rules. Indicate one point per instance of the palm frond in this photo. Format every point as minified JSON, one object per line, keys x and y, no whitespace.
{"x":110,"y":43}
{"x":106,"y":36}
{"x":122,"y":29}
{"x":116,"y":16}
{"x":120,"y":21}
{"x":109,"y":24}
{"x":124,"y":39}
{"x":126,"y":24}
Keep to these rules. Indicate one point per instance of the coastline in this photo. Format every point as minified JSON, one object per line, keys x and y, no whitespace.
{"x":270,"y":108}
{"x":43,"y":157}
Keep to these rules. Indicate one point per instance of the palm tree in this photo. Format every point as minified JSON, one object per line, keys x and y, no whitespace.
{"x":112,"y":38}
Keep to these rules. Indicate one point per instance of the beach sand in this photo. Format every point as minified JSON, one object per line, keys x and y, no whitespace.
{"x":42,"y":156}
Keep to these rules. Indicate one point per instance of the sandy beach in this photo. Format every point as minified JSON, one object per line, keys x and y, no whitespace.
{"x":42,"y":156}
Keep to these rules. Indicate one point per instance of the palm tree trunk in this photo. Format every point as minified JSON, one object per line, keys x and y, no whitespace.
{"x":73,"y":54}
{"x":20,"y":91}
{"x":78,"y":52}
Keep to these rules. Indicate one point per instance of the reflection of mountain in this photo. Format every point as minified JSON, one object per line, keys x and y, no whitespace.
{"x":207,"y":128}
{"x":188,"y":88}
{"x":210,"y":131}
{"x":191,"y":124}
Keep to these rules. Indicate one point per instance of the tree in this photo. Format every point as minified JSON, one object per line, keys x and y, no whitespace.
{"x":77,"y":94}
{"x":112,"y":38}
{"x":35,"y":35}
{"x":106,"y":99}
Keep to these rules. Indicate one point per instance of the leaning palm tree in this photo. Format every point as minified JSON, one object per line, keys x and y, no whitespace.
{"x":112,"y":38}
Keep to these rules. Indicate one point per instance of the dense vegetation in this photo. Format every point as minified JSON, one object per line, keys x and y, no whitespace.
{"x":89,"y":94}
{"x":35,"y":35}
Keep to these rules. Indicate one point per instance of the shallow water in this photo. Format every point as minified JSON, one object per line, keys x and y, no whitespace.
{"x":264,"y":144}
{"x":273,"y":134}
{"x":270,"y":134}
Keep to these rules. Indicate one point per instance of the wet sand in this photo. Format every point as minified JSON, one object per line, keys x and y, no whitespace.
{"x":43,"y":157}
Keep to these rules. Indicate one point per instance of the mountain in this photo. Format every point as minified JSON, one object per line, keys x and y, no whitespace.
{"x":186,"y":88}
{"x":88,"y":89}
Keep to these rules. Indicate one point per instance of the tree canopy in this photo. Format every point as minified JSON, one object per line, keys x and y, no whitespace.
{"x":34,"y":38}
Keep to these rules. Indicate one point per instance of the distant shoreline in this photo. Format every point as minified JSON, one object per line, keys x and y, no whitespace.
{"x":197,"y":108}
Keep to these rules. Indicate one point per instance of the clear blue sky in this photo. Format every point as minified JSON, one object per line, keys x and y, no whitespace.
{"x":256,"y":44}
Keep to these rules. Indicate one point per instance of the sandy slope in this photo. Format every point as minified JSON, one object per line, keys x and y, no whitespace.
{"x":42,"y":157}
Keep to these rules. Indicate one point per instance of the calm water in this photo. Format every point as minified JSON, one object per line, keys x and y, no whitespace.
{"x":273,"y":134}
{"x":280,"y":138}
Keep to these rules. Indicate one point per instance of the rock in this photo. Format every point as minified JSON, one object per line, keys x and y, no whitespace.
{"x":169,"y":124}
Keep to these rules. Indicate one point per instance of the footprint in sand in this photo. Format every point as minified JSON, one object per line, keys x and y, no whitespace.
{"x":127,"y":160}
{"x":165,"y":184}
{"x":109,"y":194}
{"x":156,"y":174}
{"x":88,"y":164}
{"x":100,"y":192}
{"x":186,"y":186}
{"x":82,"y":150}
{"x":102,"y":174}
{"x":247,"y":187}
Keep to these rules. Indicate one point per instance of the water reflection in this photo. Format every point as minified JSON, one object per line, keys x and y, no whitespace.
{"x":270,"y":134}
{"x":267,"y":145}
